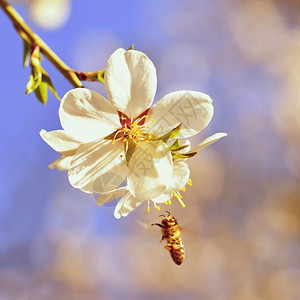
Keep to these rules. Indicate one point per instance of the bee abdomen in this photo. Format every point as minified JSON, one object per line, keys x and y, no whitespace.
{"x":177,"y":251}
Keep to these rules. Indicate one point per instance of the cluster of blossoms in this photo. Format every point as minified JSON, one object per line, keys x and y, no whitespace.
{"x":124,"y":147}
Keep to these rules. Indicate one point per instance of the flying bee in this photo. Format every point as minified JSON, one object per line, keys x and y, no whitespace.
{"x":171,"y":232}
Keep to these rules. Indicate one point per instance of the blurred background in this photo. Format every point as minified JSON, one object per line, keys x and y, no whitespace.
{"x":241,"y":224}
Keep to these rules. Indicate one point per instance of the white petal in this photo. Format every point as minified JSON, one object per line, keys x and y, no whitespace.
{"x":126,"y":205}
{"x":164,"y":197}
{"x":181,"y":174}
{"x":97,"y":167}
{"x":60,"y":141}
{"x":180,"y":177}
{"x":130,"y":81}
{"x":62,"y":163}
{"x":150,"y":170}
{"x":193,"y":109}
{"x":87,"y":115}
{"x":111,"y":195}
{"x":208,"y":141}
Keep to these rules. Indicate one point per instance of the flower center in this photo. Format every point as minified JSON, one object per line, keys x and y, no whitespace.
{"x":135,"y":132}
{"x":133,"y":129}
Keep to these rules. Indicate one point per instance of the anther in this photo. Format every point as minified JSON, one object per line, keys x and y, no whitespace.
{"x":179,"y":198}
{"x":156,"y":206}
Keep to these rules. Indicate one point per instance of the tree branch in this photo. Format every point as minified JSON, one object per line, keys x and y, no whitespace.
{"x":28,"y":35}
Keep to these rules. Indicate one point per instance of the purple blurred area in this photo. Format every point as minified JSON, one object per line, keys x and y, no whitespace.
{"x":241,"y":224}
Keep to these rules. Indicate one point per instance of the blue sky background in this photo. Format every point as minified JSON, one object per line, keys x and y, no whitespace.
{"x":56,"y":241}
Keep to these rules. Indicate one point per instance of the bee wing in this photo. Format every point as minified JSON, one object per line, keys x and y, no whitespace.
{"x":144,"y":225}
{"x":189,"y":228}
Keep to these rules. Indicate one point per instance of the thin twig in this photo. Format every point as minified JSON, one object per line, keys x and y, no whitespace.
{"x":27,"y":33}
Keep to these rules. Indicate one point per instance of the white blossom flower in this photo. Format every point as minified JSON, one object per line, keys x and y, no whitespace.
{"x":125,"y":135}
{"x":180,"y":178}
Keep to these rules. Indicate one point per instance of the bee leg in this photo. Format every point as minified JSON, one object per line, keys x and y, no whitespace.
{"x":157,"y":225}
{"x":162,"y":238}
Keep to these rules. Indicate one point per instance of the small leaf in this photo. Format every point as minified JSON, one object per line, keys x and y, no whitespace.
{"x":175,"y":145}
{"x":36,"y":73}
{"x":33,"y":82}
{"x":129,"y":149}
{"x":100,"y":76}
{"x":171,"y":134}
{"x":26,"y":53}
{"x":41,"y":92}
{"x":181,"y":147}
{"x":183,"y":155}
{"x":46,"y":78}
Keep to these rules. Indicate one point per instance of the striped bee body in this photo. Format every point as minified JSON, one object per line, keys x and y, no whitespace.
{"x":171,"y":232}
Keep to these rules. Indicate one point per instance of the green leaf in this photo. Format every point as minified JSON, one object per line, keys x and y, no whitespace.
{"x":100,"y":76}
{"x":183,"y":155}
{"x":175,"y":145}
{"x":129,"y":149}
{"x":48,"y":81}
{"x":33,"y":83}
{"x":171,"y":134}
{"x":181,"y":147}
{"x":41,"y":92}
{"x":26,"y":53}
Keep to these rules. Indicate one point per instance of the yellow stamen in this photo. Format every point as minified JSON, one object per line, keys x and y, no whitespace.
{"x":181,"y":202}
{"x":152,"y":120}
{"x":178,"y":197}
{"x":168,"y":202}
{"x":113,"y":142}
{"x":156,"y":206}
{"x":183,"y":189}
{"x":189,"y":182}
{"x":148,"y":208}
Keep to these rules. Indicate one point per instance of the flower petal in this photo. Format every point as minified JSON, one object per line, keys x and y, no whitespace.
{"x":126,"y":205}
{"x":164,"y":197}
{"x":130,"y":81}
{"x":181,"y":174}
{"x":150,"y":170}
{"x":111,"y":195}
{"x":98,"y":167}
{"x":208,"y":141}
{"x":60,"y":141}
{"x":62,"y":163}
{"x":180,"y":177}
{"x":193,"y":109}
{"x":87,"y":115}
